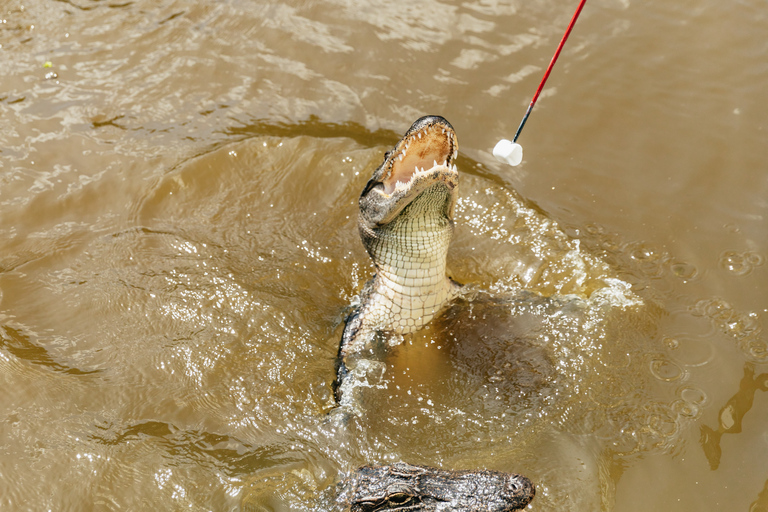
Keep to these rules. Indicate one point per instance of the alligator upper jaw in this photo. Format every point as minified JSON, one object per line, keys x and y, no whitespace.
{"x":421,"y":159}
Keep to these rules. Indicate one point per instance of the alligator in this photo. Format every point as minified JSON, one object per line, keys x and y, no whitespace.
{"x":402,"y":487}
{"x":406,"y":224}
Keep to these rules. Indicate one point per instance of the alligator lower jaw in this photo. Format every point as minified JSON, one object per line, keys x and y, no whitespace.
{"x":402,"y":180}
{"x":429,"y":182}
{"x":420,"y":180}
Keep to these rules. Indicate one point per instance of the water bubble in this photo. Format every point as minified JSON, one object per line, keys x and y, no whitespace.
{"x":685,"y":409}
{"x":666,"y":370}
{"x":740,"y":264}
{"x":684,"y":270}
{"x":594,"y":229}
{"x":661,"y":422}
{"x":753,"y":258}
{"x":644,"y":253}
{"x":757,"y":350}
{"x":745,"y":328}
{"x":690,"y":352}
{"x":650,"y":261}
{"x":627,"y":443}
{"x":693,"y":395}
{"x":713,"y":308}
{"x":733,"y":262}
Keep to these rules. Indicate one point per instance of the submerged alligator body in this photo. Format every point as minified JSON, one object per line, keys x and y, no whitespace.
{"x":406,"y":225}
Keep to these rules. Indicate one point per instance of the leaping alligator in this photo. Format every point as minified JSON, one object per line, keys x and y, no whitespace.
{"x":406,"y":225}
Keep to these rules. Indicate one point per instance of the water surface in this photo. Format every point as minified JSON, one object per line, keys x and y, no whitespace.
{"x":178,"y":251}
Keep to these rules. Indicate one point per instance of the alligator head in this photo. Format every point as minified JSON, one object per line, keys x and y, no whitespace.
{"x":404,"y":487}
{"x":421,"y":162}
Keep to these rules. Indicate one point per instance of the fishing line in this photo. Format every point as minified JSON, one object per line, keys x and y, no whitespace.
{"x":509,"y":151}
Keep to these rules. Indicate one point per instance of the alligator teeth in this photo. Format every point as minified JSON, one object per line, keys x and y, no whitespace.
{"x":434,"y":163}
{"x":400,"y":156}
{"x":446,"y":162}
{"x":401,"y":185}
{"x":419,"y":134}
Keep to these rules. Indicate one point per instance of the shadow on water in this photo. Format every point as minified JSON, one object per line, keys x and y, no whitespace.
{"x":220,"y":452}
{"x":732,"y":414}
{"x":730,"y":421}
{"x":761,"y":503}
{"x":21,"y":346}
{"x":314,"y":127}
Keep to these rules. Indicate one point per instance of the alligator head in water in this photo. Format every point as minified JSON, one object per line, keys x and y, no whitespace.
{"x":403,"y":487}
{"x":406,"y":224}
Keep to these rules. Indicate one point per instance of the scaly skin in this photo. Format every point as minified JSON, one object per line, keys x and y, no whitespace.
{"x":405,"y":487}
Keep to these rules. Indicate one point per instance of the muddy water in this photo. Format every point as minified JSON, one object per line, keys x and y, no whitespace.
{"x":178,"y":249}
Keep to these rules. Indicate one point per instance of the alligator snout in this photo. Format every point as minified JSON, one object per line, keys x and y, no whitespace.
{"x":519,"y":492}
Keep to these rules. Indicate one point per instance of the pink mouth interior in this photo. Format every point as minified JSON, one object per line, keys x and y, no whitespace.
{"x":422,"y":153}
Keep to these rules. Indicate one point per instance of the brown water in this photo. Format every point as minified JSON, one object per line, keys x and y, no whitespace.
{"x":178,"y":248}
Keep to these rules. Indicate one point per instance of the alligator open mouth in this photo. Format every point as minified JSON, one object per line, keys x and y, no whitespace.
{"x":428,"y":145}
{"x":421,"y":162}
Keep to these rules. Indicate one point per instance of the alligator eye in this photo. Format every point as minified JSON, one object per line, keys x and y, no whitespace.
{"x":400,"y":499}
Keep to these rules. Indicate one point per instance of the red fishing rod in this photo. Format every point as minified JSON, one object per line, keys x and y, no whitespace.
{"x":510,"y":151}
